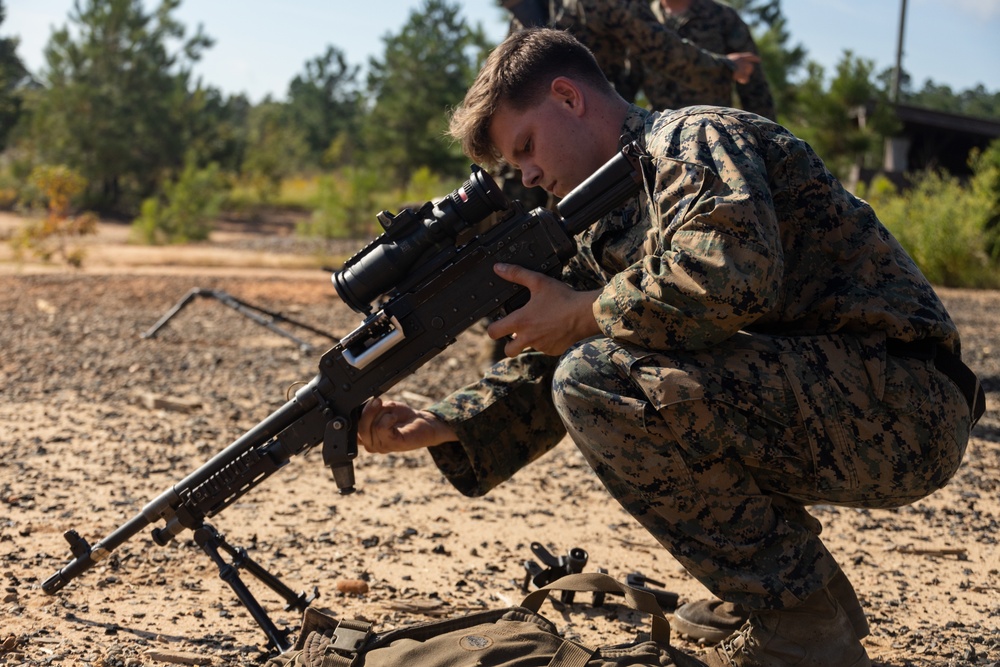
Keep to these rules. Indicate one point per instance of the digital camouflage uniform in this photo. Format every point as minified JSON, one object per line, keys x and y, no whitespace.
{"x":717,"y":27}
{"x":743,"y":372}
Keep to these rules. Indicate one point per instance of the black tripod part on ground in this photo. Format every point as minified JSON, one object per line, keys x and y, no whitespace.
{"x":261,"y":316}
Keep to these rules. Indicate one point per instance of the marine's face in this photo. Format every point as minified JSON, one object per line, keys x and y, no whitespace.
{"x":549,"y":143}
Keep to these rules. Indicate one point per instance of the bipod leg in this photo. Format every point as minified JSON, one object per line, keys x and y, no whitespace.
{"x":185,"y":300}
{"x":252,"y":313}
{"x":242,"y":560}
{"x":275,"y":316}
{"x":209,"y":539}
{"x":261,"y":316}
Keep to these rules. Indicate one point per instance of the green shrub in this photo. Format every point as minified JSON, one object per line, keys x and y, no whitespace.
{"x":8,"y":197}
{"x":986,"y":184}
{"x":942,"y":224}
{"x":9,"y":187}
{"x":185,"y":209}
{"x":345,"y":205}
{"x":298,"y":192}
{"x":425,"y":186}
{"x":55,"y":235}
{"x":348,"y":201}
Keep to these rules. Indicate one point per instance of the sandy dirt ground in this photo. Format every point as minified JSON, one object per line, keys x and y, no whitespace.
{"x":95,"y":421}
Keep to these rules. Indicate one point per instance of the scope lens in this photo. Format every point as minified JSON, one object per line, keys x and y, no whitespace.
{"x":476,"y":199}
{"x":369,"y":276}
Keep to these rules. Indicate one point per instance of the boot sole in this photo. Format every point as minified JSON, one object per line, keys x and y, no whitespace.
{"x":700,"y":634}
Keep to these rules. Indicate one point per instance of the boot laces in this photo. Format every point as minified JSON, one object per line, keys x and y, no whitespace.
{"x":744,"y":641}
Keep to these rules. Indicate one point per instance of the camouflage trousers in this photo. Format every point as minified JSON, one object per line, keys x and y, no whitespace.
{"x":718,"y":452}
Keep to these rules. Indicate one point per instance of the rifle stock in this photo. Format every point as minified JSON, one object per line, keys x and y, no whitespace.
{"x":447,"y":289}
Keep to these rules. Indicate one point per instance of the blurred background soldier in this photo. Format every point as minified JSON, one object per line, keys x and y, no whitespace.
{"x":637,"y":51}
{"x":717,"y":27}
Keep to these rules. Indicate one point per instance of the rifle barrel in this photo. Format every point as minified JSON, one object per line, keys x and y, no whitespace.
{"x":602,"y":192}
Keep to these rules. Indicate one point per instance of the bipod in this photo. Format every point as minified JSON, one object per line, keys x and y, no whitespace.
{"x":210,"y":541}
{"x":261,"y":316}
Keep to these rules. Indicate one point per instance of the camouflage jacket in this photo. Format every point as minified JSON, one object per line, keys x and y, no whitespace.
{"x":740,"y":228}
{"x":623,"y":34}
{"x":717,"y":27}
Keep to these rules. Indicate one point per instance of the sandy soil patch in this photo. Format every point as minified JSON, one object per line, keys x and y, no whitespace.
{"x":82,"y":449}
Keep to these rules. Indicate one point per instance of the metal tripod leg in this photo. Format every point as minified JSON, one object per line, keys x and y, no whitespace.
{"x":265,"y":318}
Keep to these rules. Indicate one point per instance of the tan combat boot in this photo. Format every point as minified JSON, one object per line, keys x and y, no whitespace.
{"x":711,"y":621}
{"x":817,"y":633}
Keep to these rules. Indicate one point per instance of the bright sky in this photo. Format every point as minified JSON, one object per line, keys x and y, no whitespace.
{"x":261,"y":45}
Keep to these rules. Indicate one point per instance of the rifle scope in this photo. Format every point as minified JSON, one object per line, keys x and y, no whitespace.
{"x":384,"y":262}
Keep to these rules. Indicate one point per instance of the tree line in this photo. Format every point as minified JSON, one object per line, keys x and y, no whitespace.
{"x":118,"y":105}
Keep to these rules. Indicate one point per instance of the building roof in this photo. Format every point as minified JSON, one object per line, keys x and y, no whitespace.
{"x":945,"y":120}
{"x":941,"y":139}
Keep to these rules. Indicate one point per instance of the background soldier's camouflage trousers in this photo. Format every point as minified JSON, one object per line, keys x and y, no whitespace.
{"x":717,"y":452}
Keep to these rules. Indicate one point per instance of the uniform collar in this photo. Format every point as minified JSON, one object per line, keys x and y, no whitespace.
{"x":634,"y":126}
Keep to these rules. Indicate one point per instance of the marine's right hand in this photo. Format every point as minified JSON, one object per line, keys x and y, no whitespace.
{"x":744,"y":63}
{"x":390,"y":426}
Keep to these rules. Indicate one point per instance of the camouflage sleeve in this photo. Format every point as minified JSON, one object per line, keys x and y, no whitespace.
{"x":668,"y":61}
{"x":713,"y":262}
{"x":507,"y":419}
{"x":582,"y":272}
{"x":755,"y":95}
{"x":504,"y":422}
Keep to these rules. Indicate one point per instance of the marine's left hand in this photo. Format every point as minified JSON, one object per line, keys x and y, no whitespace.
{"x":555,"y":317}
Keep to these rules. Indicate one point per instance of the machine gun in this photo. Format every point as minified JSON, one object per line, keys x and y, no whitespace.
{"x":431,"y":286}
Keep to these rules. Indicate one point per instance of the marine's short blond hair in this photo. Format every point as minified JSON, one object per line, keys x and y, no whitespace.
{"x":518,"y":74}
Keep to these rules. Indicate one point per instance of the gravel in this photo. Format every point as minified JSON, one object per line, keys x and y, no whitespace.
{"x":97,"y":421}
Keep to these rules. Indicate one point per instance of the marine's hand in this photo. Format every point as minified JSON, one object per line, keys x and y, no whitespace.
{"x":555,"y":317}
{"x":745,"y":62}
{"x":390,"y":426}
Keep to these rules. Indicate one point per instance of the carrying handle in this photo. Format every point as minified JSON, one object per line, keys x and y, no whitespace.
{"x":596,"y":582}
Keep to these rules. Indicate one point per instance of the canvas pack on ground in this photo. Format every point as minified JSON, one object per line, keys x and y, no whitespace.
{"x":513,"y":637}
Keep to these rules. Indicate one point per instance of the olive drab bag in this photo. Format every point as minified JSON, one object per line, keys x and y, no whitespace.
{"x":514,"y":637}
